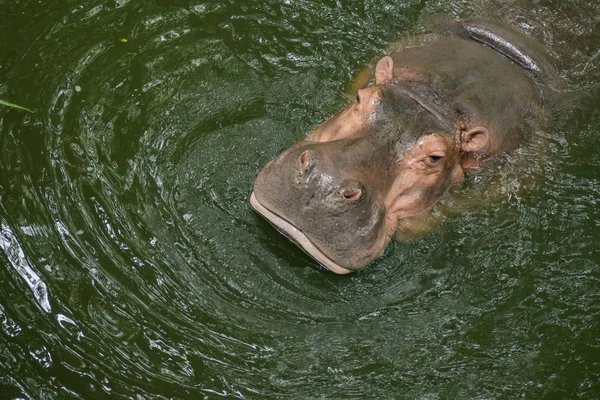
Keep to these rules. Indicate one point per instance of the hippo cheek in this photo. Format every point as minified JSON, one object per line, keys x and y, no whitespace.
{"x":351,"y":239}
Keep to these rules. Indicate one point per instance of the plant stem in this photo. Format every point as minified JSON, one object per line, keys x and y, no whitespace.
{"x":5,"y":103}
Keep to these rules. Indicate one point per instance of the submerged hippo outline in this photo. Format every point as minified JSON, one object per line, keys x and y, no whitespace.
{"x":441,"y":104}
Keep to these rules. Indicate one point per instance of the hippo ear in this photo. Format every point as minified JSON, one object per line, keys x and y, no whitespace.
{"x":384,"y":71}
{"x":474,"y":140}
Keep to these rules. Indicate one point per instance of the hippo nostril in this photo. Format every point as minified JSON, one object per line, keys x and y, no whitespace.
{"x":304,"y":159}
{"x":352,"y":194}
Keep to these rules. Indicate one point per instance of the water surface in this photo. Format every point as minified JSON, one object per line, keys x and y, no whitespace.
{"x":133,"y":266}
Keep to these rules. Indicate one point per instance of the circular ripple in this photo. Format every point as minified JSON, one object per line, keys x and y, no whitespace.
{"x":135,"y":265}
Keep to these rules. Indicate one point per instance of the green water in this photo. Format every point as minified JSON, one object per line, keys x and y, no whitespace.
{"x":133,"y":267}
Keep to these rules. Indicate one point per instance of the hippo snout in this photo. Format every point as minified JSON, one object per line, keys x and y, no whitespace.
{"x":314,"y":192}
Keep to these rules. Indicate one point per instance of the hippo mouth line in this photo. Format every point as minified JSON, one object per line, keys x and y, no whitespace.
{"x":297,"y":236}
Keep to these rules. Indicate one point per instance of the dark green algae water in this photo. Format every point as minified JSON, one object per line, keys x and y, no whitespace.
{"x":133,"y":267}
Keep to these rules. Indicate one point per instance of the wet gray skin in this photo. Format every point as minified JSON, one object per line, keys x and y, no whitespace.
{"x":441,"y":104}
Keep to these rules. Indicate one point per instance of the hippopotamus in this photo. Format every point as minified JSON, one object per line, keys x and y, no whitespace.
{"x":439,"y":105}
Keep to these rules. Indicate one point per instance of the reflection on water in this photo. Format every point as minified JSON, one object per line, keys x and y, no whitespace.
{"x":17,"y":259}
{"x":133,"y":265}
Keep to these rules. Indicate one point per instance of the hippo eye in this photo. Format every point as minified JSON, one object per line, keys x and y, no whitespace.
{"x":431,"y":161}
{"x":357,"y":98}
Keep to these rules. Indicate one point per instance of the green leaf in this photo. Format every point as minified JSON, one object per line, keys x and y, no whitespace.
{"x":6,"y":103}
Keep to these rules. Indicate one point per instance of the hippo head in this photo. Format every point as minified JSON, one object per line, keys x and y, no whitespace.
{"x":340,"y":193}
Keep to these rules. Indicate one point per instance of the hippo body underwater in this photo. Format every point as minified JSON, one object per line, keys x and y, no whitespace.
{"x":441,"y":104}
